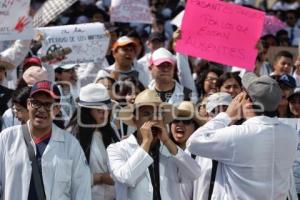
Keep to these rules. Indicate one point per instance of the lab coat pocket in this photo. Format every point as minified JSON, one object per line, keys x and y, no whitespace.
{"x":63,"y":170}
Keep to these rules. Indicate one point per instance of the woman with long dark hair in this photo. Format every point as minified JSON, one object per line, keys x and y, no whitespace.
{"x":92,"y":126}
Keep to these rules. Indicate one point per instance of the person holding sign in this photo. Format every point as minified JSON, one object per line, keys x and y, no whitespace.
{"x":255,"y":158}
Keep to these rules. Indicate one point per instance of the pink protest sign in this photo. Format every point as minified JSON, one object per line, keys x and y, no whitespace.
{"x":222,"y":32}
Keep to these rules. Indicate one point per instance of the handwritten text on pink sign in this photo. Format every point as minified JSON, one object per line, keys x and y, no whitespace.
{"x":221,"y":32}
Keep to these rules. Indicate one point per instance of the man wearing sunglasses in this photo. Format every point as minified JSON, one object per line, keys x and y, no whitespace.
{"x":60,"y":162}
{"x":255,"y":158}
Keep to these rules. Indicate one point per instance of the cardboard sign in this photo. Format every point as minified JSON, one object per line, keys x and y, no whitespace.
{"x":14,"y":20}
{"x":128,"y":11}
{"x":88,"y":42}
{"x":273,"y":50}
{"x":225,"y":33}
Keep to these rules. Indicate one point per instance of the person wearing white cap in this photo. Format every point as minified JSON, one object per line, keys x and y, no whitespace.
{"x":255,"y":158}
{"x":162,"y":68}
{"x":92,"y":126}
{"x":66,"y":79}
{"x":217,"y":103}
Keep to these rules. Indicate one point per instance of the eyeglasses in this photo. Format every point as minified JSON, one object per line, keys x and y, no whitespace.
{"x":185,"y":122}
{"x":211,"y":79}
{"x":36,"y":104}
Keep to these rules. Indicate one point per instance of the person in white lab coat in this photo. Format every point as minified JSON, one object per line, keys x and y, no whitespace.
{"x":162,"y":69}
{"x":92,"y":127}
{"x":255,"y":158}
{"x":148,"y":165}
{"x":61,"y":162}
{"x":185,"y":123}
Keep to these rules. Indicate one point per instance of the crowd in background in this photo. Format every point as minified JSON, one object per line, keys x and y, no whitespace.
{"x":142,"y":58}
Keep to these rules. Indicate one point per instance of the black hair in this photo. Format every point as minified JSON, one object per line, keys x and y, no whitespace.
{"x":283,"y":54}
{"x":85,"y":134}
{"x":228,"y":75}
{"x":202,"y":76}
{"x":124,"y":87}
{"x":171,"y":135}
{"x":21,"y":95}
{"x":108,"y":78}
{"x":134,"y":34}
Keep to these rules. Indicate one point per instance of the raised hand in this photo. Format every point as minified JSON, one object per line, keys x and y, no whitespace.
{"x":22,"y":23}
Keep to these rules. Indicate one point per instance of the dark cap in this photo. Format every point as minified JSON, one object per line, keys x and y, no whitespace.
{"x":262,"y":90}
{"x":31,"y":61}
{"x":45,"y":87}
{"x":295,"y":93}
{"x":286,"y":80}
{"x":157,"y":36}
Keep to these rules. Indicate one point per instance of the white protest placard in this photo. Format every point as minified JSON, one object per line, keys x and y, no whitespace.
{"x":15,"y":22}
{"x":130,"y":11}
{"x":178,"y":19}
{"x":88,"y":42}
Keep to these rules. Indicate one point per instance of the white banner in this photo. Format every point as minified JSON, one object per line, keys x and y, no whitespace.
{"x":88,"y":42}
{"x":15,"y":22}
{"x":130,"y":11}
{"x":178,"y":19}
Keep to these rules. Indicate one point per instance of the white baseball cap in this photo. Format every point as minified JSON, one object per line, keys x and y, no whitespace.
{"x":217,"y":99}
{"x":160,"y":56}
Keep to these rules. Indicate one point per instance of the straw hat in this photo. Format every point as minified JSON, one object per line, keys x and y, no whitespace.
{"x":186,"y":109}
{"x":147,"y":98}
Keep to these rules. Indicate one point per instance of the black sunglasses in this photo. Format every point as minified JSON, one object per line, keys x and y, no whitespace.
{"x":185,"y":122}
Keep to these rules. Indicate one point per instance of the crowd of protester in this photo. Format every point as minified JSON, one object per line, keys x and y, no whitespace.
{"x":149,"y":122}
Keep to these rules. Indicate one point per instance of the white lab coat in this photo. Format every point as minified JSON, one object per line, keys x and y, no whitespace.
{"x":65,"y":172}
{"x":255,"y":158}
{"x":129,"y":167}
{"x":178,"y":94}
{"x":15,"y":55}
{"x":99,"y":164}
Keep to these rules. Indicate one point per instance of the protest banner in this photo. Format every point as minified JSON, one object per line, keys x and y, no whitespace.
{"x":14,"y":20}
{"x":128,"y":11}
{"x":272,"y":25}
{"x":273,"y":50}
{"x":50,"y":10}
{"x":88,"y":42}
{"x":224,"y":32}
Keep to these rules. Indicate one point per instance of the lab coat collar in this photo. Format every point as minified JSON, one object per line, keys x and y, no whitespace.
{"x":55,"y":135}
{"x":262,"y":120}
